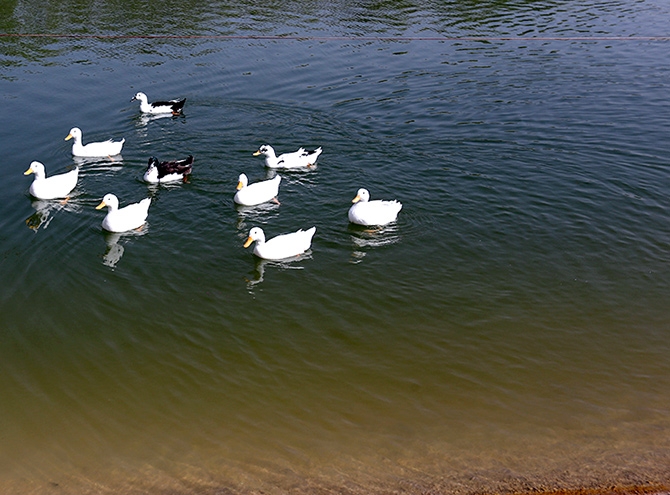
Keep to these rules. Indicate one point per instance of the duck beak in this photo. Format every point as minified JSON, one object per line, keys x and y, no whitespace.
{"x":28,"y":172}
{"x":239,"y":185}
{"x":69,"y":136}
{"x":356,"y":199}
{"x":248,"y":243}
{"x":257,"y":153}
{"x":101,"y":205}
{"x":133,"y":99}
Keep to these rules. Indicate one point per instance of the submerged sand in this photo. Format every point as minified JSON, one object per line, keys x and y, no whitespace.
{"x":606,"y":474}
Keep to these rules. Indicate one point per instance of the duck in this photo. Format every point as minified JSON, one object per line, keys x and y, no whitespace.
{"x":282,"y":246}
{"x":127,"y":218}
{"x":377,"y":212}
{"x":258,"y":192}
{"x":174,"y":107}
{"x":56,"y":186}
{"x":296,"y":159}
{"x":104,"y":148}
{"x":168,"y":171}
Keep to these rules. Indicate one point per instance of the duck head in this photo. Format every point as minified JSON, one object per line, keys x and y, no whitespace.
{"x":35,"y":168}
{"x":110,"y":201}
{"x":255,"y":234}
{"x":361,"y":195}
{"x":139,"y":96}
{"x":242,"y":181}
{"x":75,"y":133}
{"x":266,"y":150}
{"x":153,"y":163}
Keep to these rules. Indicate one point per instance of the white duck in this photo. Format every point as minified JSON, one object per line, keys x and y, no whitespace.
{"x":296,"y":159}
{"x":258,"y":192}
{"x":56,"y":186}
{"x":280,"y":247}
{"x":174,"y":107}
{"x":377,"y":212}
{"x":104,"y":148}
{"x":129,"y":217}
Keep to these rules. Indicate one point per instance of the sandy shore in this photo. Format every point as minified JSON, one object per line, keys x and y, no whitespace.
{"x":512,"y":472}
{"x":406,"y":487}
{"x":290,"y":483}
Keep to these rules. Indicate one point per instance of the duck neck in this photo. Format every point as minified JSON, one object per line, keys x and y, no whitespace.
{"x":271,"y":158}
{"x":152,"y":174}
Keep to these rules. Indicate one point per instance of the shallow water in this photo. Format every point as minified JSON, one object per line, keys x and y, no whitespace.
{"x":510,"y":328}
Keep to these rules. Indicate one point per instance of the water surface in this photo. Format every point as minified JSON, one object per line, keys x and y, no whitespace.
{"x":508,"y":332}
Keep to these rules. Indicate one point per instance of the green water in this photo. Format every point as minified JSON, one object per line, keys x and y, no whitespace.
{"x":509,"y":331}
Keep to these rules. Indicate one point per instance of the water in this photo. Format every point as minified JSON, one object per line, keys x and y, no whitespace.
{"x":508,"y":332}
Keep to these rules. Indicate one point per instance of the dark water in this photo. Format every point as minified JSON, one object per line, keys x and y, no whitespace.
{"x":509,"y":331}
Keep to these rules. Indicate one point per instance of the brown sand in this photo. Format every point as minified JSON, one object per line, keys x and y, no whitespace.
{"x":273,"y":479}
{"x":513,"y":470}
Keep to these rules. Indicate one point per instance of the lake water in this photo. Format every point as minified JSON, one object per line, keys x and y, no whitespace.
{"x":508,"y":332}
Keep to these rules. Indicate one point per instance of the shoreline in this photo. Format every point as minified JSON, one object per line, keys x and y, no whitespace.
{"x":291,"y":483}
{"x":615,"y":473}
{"x":612,"y":490}
{"x":406,"y":488}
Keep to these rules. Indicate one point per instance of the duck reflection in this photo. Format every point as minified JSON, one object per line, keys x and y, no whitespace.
{"x":44,"y":210}
{"x":42,"y":216}
{"x":154,"y":190}
{"x":248,"y":216}
{"x":106,"y":163}
{"x":143,"y":120}
{"x":286,"y":264}
{"x":114,"y":250}
{"x":115,"y":245}
{"x":366,"y":238}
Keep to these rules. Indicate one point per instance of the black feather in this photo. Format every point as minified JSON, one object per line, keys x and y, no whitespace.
{"x":176,"y":105}
{"x":182,"y":167}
